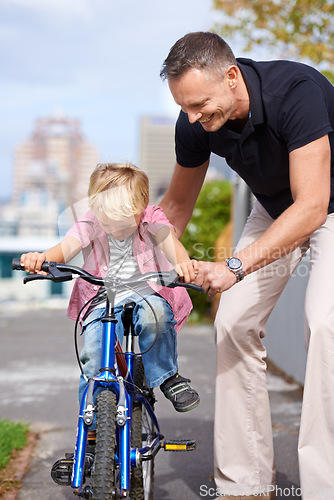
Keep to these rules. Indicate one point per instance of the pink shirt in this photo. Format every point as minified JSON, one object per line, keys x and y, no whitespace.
{"x":95,"y":248}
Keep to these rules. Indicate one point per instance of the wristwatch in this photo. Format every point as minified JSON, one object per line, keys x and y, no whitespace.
{"x":235,"y":265}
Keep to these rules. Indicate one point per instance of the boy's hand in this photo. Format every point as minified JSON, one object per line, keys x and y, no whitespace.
{"x":32,"y":262}
{"x":187,"y":270}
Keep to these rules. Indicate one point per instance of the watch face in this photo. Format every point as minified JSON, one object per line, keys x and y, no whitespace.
{"x":234,"y":263}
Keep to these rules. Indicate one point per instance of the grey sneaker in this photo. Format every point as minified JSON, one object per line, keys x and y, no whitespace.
{"x":179,"y":392}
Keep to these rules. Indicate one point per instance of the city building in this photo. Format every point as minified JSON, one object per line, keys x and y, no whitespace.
{"x":157,"y":152}
{"x":157,"y":155}
{"x":51,"y":173}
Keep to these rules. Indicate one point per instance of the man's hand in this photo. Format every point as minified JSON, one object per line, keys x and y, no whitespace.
{"x":214,"y":277}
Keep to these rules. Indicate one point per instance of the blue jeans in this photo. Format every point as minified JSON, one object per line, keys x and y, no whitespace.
{"x":160,"y":362}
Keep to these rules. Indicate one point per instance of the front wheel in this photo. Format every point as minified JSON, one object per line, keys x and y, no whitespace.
{"x":142,"y":433}
{"x":104,"y":464}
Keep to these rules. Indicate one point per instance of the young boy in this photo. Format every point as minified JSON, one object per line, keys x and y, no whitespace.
{"x":121,"y":235}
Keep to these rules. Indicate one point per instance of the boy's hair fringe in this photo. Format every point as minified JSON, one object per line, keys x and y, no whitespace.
{"x":118,"y":190}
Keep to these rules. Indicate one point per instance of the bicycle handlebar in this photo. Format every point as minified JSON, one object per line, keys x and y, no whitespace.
{"x":58,"y":272}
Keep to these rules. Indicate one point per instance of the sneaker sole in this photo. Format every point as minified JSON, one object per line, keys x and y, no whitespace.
{"x":188,"y":408}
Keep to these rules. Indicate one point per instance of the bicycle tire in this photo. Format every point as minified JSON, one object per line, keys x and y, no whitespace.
{"x":103,"y":480}
{"x":142,"y":431}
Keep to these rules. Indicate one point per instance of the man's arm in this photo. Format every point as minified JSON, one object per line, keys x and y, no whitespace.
{"x":310,"y":187}
{"x":181,"y":196}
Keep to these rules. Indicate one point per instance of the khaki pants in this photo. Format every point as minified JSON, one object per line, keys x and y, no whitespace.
{"x":244,"y":459}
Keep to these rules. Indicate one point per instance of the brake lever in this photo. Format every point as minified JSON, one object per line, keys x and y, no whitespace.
{"x":37,"y":277}
{"x":54,"y":275}
{"x":58,"y":276}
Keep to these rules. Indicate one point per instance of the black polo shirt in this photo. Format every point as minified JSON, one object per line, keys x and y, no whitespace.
{"x":291,"y":105}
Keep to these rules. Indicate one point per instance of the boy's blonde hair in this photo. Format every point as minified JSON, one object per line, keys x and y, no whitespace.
{"x":118,"y":190}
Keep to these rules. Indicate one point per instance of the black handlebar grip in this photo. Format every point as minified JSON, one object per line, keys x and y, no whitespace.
{"x":45,"y":267}
{"x":16,"y":265}
{"x":192,"y":286}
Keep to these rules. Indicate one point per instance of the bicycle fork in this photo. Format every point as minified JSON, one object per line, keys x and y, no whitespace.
{"x":108,"y":380}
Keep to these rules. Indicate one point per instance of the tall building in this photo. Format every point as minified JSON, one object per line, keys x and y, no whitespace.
{"x":51,"y":172}
{"x":157,"y":152}
{"x":157,"y":155}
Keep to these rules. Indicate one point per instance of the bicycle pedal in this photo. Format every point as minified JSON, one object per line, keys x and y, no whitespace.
{"x":179,"y":445}
{"x":61,"y":470}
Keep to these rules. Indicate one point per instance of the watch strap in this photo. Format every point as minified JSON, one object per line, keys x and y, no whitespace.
{"x":239,"y":273}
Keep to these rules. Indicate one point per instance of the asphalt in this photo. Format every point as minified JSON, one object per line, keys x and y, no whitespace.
{"x":38,"y":384}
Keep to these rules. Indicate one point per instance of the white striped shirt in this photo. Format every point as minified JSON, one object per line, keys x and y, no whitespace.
{"x":123,"y":265}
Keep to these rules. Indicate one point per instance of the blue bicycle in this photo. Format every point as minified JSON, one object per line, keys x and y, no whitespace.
{"x":128,"y":437}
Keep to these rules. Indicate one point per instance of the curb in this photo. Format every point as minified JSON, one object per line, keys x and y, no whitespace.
{"x":20,"y":464}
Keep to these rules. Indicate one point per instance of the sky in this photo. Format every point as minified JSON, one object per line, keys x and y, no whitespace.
{"x":94,"y":60}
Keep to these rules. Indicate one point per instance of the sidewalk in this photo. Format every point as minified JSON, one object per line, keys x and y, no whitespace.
{"x":37,"y":348}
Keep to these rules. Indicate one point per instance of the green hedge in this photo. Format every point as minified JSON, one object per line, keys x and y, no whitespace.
{"x":211,"y":214}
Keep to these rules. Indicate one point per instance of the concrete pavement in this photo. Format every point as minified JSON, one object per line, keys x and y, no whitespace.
{"x":38,"y":383}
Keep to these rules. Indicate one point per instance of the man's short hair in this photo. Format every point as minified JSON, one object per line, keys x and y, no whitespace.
{"x":202,"y":50}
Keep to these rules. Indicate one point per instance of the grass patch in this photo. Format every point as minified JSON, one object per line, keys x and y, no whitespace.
{"x":13,"y":436}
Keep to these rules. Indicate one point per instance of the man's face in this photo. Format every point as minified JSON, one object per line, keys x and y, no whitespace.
{"x":206,"y":98}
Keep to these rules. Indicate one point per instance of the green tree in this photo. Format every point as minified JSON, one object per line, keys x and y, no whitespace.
{"x":210,"y":216}
{"x":300,"y":29}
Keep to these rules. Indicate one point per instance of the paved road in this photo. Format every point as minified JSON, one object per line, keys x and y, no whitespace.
{"x":38,"y":383}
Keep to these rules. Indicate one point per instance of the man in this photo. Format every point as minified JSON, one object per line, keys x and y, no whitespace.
{"x":273,"y":122}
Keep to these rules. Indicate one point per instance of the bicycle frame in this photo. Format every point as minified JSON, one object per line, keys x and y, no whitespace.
{"x":107,"y":379}
{"x":116,"y":375}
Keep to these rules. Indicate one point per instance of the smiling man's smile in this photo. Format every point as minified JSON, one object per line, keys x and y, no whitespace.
{"x":207,"y":119}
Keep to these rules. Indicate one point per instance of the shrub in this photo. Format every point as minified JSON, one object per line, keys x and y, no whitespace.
{"x":210,"y":216}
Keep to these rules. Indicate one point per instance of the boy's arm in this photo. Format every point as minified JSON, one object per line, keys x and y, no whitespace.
{"x":176,"y":254}
{"x":63,"y":252}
